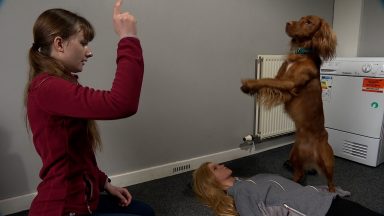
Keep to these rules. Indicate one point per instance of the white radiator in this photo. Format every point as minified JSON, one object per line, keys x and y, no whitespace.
{"x":275,"y":121}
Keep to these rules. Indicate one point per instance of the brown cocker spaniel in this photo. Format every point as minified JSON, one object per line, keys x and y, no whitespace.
{"x":297,"y":86}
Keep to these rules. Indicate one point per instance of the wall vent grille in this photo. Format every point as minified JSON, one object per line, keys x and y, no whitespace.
{"x":182,"y":168}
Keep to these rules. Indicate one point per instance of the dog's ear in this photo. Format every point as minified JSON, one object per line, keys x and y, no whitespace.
{"x":324,"y":41}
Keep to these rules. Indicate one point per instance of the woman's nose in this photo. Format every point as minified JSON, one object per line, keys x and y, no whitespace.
{"x":89,"y":54}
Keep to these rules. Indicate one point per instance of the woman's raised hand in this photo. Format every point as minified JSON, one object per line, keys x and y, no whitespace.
{"x":124,"y":23}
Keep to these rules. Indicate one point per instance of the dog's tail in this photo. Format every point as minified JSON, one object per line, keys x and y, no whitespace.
{"x":270,"y":97}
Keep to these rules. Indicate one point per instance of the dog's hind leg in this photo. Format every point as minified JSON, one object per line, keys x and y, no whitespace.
{"x":298,"y":173}
{"x":326,"y":164}
{"x":297,"y":165}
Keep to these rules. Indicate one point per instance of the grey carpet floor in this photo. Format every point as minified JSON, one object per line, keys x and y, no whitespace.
{"x":173,"y":196}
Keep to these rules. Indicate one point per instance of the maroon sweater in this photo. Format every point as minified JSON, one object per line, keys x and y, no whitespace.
{"x":57,"y":111}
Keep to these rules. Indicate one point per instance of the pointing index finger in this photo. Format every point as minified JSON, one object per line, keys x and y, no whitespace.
{"x":116,"y":9}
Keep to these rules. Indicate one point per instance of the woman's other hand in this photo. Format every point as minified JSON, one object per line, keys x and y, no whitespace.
{"x":124,"y":23}
{"x":122,"y":193}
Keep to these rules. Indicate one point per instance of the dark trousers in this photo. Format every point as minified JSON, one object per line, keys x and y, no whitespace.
{"x":109,"y":205}
{"x":342,"y":206}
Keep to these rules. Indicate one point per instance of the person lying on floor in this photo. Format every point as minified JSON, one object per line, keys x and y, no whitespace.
{"x":267,"y":194}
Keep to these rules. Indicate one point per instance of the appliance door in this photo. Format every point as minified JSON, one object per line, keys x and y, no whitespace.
{"x":353,"y":104}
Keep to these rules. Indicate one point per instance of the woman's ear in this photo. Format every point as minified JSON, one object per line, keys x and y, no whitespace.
{"x":58,"y":44}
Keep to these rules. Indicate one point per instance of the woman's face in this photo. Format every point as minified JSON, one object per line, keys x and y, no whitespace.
{"x":75,"y":53}
{"x":221,"y":172}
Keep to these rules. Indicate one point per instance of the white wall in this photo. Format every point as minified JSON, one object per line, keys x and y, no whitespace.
{"x":346,"y":24}
{"x":372,"y":33}
{"x":196,"y":52}
{"x":357,"y":24}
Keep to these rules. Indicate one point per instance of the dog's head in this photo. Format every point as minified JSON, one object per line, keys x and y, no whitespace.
{"x":314,"y":33}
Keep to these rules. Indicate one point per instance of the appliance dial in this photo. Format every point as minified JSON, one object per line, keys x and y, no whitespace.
{"x":366,"y":68}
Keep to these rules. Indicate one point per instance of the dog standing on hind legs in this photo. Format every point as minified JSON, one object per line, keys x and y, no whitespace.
{"x":297,"y":86}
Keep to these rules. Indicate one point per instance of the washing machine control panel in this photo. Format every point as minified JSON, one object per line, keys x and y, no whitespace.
{"x":363,"y":66}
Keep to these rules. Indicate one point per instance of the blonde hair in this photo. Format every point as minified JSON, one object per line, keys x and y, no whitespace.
{"x":211,"y":192}
{"x":50,"y":24}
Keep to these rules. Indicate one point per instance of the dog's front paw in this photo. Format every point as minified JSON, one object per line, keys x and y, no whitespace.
{"x":246,"y":88}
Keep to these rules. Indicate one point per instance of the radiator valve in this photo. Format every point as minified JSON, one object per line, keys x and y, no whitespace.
{"x":248,"y":138}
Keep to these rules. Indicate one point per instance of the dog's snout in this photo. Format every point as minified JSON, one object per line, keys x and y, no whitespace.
{"x":288,"y":27}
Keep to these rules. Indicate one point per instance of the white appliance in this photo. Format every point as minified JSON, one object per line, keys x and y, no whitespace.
{"x":353,"y":102}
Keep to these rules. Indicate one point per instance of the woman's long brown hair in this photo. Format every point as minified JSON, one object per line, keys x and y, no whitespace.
{"x":50,"y":24}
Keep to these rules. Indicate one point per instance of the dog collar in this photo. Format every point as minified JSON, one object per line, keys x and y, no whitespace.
{"x":302,"y":51}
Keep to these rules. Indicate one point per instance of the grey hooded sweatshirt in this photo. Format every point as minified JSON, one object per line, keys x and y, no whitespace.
{"x":269,"y":194}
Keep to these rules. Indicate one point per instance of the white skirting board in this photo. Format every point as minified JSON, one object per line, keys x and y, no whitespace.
{"x":21,"y":203}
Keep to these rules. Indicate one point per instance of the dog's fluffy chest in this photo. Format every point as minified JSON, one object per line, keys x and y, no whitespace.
{"x":289,"y":69}
{"x":290,"y":64}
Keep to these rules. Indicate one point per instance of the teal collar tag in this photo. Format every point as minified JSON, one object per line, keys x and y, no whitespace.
{"x":302,"y":51}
